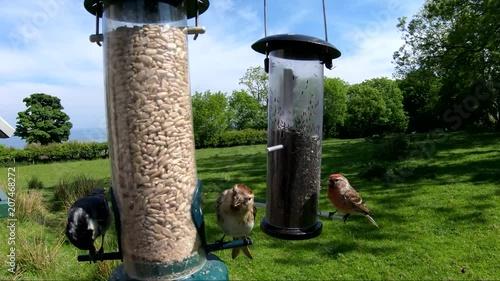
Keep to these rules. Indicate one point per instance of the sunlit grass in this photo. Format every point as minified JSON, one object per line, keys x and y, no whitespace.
{"x":440,"y":227}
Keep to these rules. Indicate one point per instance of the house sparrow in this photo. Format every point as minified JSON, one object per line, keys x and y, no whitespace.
{"x":88,"y":218}
{"x":346,"y":199}
{"x":236,"y":215}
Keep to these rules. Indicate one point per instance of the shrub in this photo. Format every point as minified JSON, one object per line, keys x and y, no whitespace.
{"x":243,"y":137}
{"x":72,"y":150}
{"x":35,"y":183}
{"x":374,"y":170}
{"x":6,"y":154}
{"x":395,"y":148}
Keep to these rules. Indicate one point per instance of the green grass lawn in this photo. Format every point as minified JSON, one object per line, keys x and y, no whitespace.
{"x":440,"y":220}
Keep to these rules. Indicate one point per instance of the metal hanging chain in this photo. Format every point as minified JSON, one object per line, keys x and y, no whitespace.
{"x":196,"y":18}
{"x":324,"y":20}
{"x":266,"y":60}
{"x":265,"y":19}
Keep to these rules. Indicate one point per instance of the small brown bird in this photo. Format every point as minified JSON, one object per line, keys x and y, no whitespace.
{"x":346,"y":199}
{"x":236,"y":215}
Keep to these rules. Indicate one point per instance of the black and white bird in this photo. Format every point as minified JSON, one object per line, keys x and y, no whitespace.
{"x":88,"y":218}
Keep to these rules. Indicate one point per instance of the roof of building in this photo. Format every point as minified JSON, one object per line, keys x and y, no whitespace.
{"x":6,"y":130}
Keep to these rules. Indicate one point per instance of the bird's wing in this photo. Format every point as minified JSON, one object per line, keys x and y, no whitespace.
{"x":100,"y":213}
{"x":254,"y":212}
{"x":353,"y":196}
{"x":218,"y":206}
{"x":103,"y":213}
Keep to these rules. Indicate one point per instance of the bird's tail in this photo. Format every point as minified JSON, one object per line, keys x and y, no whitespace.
{"x":371,"y":220}
{"x":237,"y":250}
{"x":244,"y":248}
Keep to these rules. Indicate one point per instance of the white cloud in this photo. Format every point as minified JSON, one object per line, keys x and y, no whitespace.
{"x":368,"y":43}
{"x":372,"y":59}
{"x":58,"y":59}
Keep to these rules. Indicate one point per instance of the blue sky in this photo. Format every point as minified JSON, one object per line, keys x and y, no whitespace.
{"x":44,"y":47}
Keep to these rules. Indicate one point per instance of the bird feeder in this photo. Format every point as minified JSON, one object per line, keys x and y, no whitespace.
{"x":295,"y":65}
{"x":151,"y":142}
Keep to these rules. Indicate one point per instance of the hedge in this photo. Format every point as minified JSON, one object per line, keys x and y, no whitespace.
{"x":74,"y":150}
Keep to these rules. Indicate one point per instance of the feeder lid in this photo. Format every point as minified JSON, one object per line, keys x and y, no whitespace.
{"x":91,"y":6}
{"x":301,"y":46}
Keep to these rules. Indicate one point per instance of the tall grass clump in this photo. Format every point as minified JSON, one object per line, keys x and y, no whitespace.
{"x":36,"y":255}
{"x":69,"y":189}
{"x":30,"y":206}
{"x":35,"y":183}
{"x":103,"y":270}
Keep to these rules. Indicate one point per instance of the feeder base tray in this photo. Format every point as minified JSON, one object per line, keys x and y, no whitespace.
{"x":293,"y":233}
{"x":214,"y":269}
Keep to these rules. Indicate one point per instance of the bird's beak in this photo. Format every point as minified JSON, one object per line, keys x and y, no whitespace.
{"x":237,"y":202}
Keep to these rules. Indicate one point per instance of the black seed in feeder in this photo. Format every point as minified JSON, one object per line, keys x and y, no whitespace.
{"x":294,"y":133}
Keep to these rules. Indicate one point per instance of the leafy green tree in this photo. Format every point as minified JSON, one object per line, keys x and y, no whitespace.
{"x":210,"y":117}
{"x":43,"y":121}
{"x":420,"y":90}
{"x":245,"y":112}
{"x":255,"y":80}
{"x":459,"y":41}
{"x":366,"y":112}
{"x":335,"y":106}
{"x":397,"y":121}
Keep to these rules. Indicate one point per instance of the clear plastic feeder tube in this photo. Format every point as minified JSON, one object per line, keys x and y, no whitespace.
{"x":151,"y":136}
{"x":295,"y":121}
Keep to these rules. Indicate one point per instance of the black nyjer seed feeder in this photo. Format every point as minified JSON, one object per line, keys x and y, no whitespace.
{"x":295,"y":123}
{"x":155,"y":192}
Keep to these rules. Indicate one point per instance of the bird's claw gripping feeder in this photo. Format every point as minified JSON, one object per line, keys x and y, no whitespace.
{"x":156,"y":193}
{"x":295,"y":122}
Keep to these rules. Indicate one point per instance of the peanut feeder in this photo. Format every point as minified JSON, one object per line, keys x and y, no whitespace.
{"x":151,"y":141}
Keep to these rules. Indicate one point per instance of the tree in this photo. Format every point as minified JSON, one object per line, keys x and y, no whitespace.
{"x":335,"y":106}
{"x":255,"y":80}
{"x":43,"y":121}
{"x":366,"y":112}
{"x":210,"y":117}
{"x":459,"y":41}
{"x":245,"y":112}
{"x":397,"y":121}
{"x":420,"y":90}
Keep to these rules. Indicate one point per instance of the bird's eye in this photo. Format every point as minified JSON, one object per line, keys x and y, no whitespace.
{"x":336,"y":180}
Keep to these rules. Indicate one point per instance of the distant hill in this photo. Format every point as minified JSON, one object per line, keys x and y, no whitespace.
{"x":84,"y":134}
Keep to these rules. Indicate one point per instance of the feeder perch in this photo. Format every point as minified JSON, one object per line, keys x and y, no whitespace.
{"x":155,"y":190}
{"x":295,"y":123}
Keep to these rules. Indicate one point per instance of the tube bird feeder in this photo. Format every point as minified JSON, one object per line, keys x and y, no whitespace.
{"x":295,"y":123}
{"x":151,"y":140}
